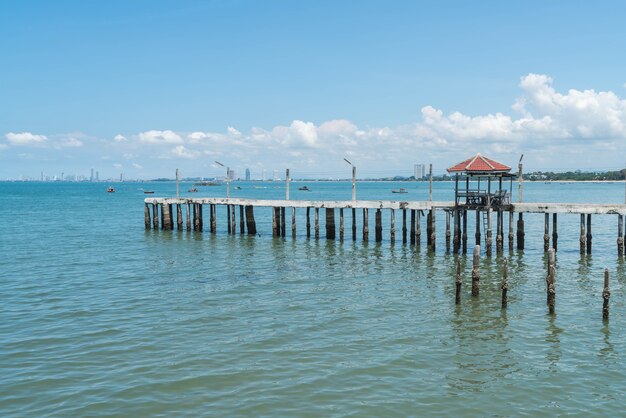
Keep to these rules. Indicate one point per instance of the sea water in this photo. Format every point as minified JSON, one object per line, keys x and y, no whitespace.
{"x":100,"y":317}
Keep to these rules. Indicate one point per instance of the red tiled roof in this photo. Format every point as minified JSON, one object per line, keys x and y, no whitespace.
{"x":479,"y":163}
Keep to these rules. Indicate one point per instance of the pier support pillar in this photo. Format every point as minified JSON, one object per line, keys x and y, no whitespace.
{"x":275,"y":221}
{"x":499,"y":233}
{"x":429,"y":228}
{"x":589,"y":236}
{"x":412,"y":230}
{"x":404,"y":226}
{"x":308,"y":222}
{"x":230,"y":231}
{"x":379,"y":226}
{"x":242,"y":224}
{"x":179,"y":216}
{"x":505,"y":283}
{"x":188,"y":216}
{"x":464,"y":240}
{"x":330,"y":223}
{"x":366,"y":228}
{"x":213,"y":218}
{"x":283,"y":222}
{"x":511,"y":237}
{"x":233,"y":219}
{"x":546,"y":233}
{"x":195,"y":217}
{"x":456,"y":239}
{"x":392,"y":228}
{"x":146,"y":216}
{"x":250,"y":222}
{"x":200,"y":218}
{"x":447,"y":231}
{"x":620,"y":237}
{"x":606,"y":295}
{"x":353,"y":224}
{"x":418,"y":228}
{"x":341,"y":224}
{"x":489,"y":233}
{"x":476,"y":271}
{"x":155,"y":216}
{"x":583,"y":239}
{"x":293,"y":223}
{"x":555,"y":234}
{"x":478,"y":227}
{"x":317,"y":223}
{"x":551,"y":280}
{"x":520,"y":231}
{"x":433,"y":232}
{"x":458,"y":282}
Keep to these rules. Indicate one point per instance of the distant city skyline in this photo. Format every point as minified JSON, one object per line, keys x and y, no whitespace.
{"x":138,"y":89}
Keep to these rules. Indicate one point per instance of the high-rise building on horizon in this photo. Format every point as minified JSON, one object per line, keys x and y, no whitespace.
{"x":91,"y":177}
{"x":420,"y":171}
{"x":247,"y":174}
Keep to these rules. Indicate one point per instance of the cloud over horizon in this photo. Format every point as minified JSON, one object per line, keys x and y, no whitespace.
{"x":552,"y":125}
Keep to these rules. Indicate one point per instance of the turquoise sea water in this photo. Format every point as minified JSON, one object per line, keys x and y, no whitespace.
{"x":100,"y":317}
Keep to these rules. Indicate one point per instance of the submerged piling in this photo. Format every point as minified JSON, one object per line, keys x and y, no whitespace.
{"x":250,"y":223}
{"x":520,"y":231}
{"x":146,"y":216}
{"x":606,"y":295}
{"x":583,"y":240}
{"x":620,"y":237}
{"x":555,"y":234}
{"x":392,"y":227}
{"x":457,"y":295}
{"x":330,"y":223}
{"x":379,"y":226}
{"x":464,"y":241}
{"x":551,"y":280}
{"x":476,"y":271}
{"x":505,"y":283}
{"x":366,"y":228}
{"x":179,"y":217}
{"x":341,"y":226}
{"x":404,"y":226}
{"x":589,"y":236}
{"x":447,"y":231}
{"x":317,"y":223}
{"x":546,"y":233}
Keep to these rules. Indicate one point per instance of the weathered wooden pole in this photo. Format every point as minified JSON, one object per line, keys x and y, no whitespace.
{"x":456,"y":239}
{"x":179,"y":216}
{"x":520,"y":231}
{"x":379,"y":226}
{"x":464,"y":236}
{"x":447,"y":231}
{"x":146,"y":216}
{"x":188,"y":216}
{"x":459,"y":282}
{"x":275,"y":221}
{"x":196,"y":220}
{"x":589,"y":236}
{"x":620,"y":237}
{"x":200,"y":218}
{"x":366,"y":228}
{"x":287,"y":182}
{"x":551,"y":280}
{"x":499,"y":237}
{"x":478,"y":227}
{"x":233,"y":226}
{"x":242,"y":224}
{"x":308,"y":222}
{"x":489,"y":232}
{"x":476,"y":271}
{"x":317,"y":223}
{"x":404,"y":226}
{"x":430,"y":182}
{"x":546,"y":233}
{"x":155,"y":216}
{"x":418,"y":228}
{"x":582,"y":239}
{"x":283,"y":222}
{"x":412,"y":230}
{"x":555,"y":234}
{"x":250,"y":222}
{"x":433,"y":232}
{"x":392,"y":226}
{"x":341,"y":225}
{"x":230,"y":231}
{"x":330,"y":223}
{"x":511,"y":236}
{"x":353,"y":224}
{"x":606,"y":295}
{"x":429,"y":228}
{"x":505,"y":283}
{"x":293,"y":223}
{"x":213,"y":218}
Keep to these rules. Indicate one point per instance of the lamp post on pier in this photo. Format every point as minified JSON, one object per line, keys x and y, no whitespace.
{"x":353,"y":179}
{"x":227,"y":178}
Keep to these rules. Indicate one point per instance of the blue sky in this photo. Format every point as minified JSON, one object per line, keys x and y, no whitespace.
{"x":145,"y":87}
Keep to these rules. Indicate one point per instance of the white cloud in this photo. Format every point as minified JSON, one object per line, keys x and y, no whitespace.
{"x":119,"y":138}
{"x":25,"y":138}
{"x":137,"y":166}
{"x":160,"y":137}
{"x":118,"y":166}
{"x":182,"y":152}
{"x":3,"y":146}
{"x":70,"y":143}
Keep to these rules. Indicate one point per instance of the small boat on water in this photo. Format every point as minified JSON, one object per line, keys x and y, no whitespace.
{"x":238,"y":188}
{"x":401,"y":190}
{"x":110,"y":190}
{"x":193,"y":190}
{"x":148,"y":191}
{"x":304,"y":188}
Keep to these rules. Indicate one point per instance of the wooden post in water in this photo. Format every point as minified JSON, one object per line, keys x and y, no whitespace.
{"x":200,"y":219}
{"x":555,"y":234}
{"x":293,"y":223}
{"x":242,"y":225}
{"x":489,"y":232}
{"x":478,"y":226}
{"x":233,"y":220}
{"x":341,"y":226}
{"x":330,"y":223}
{"x":520,"y":231}
{"x":499,"y":237}
{"x":464,"y":238}
{"x":620,"y":237}
{"x":366,"y":228}
{"x":274,"y":223}
{"x":457,"y":294}
{"x":251,"y":224}
{"x":511,"y":237}
{"x":418,"y":228}
{"x":505,"y":283}
{"x":155,"y":216}
{"x":179,"y":216}
{"x":583,"y":240}
{"x":433,"y":233}
{"x":146,"y":216}
{"x":606,"y":295}
{"x":412,"y":230}
{"x":404,"y":226}
{"x":308,"y":222}
{"x":230,"y":231}
{"x":188,"y":216}
{"x":447,"y":231}
{"x":317,"y":223}
{"x":379,"y":225}
{"x":196,"y":221}
{"x":392,"y":227}
{"x":546,"y":233}
{"x":589,"y":233}
{"x":213,"y":218}
{"x":456,"y":239}
{"x":429,"y":228}
{"x":353,"y":224}
{"x":283,"y":222}
{"x":476,"y":271}
{"x":551,"y":279}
